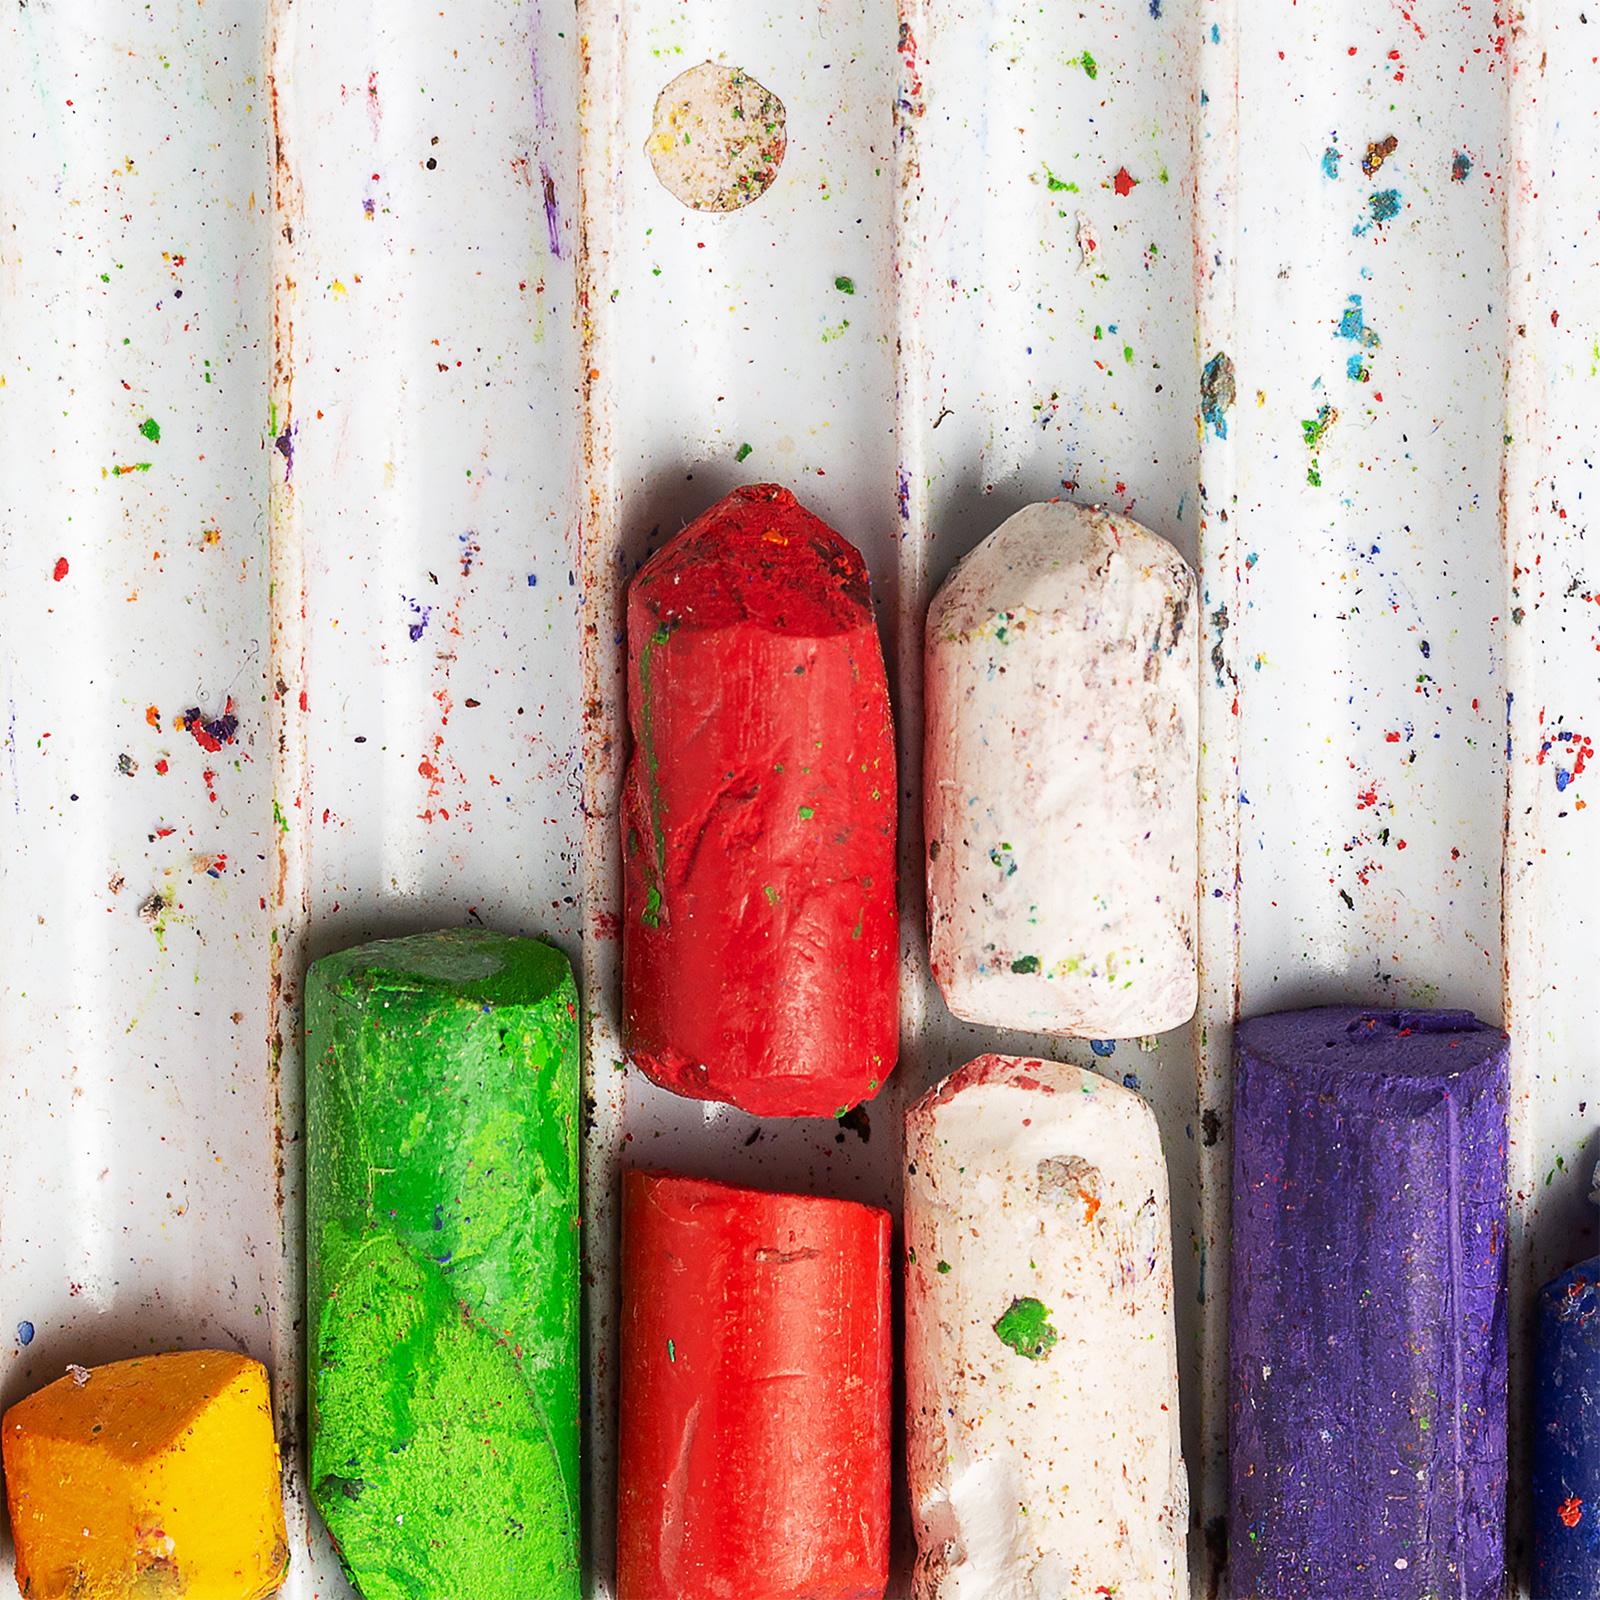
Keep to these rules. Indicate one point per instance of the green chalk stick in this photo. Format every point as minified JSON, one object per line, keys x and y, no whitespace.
{"x":442,"y":1265}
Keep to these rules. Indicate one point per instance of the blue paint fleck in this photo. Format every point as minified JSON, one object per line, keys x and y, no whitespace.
{"x":24,"y":1333}
{"x":533,"y":580}
{"x":1384,"y":207}
{"x":1330,"y":162}
{"x":1216,"y":34}
{"x":422,"y":614}
{"x":1352,"y":325}
{"x":1103,"y":1047}
{"x":1130,"y":1080}
{"x":1155,"y":9}
{"x":1460,"y":167}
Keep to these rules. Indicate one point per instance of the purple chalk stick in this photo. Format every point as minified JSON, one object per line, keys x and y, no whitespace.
{"x":1367,"y":1395}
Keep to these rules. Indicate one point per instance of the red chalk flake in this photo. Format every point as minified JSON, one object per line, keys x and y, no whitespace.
{"x":1124,"y":182}
{"x":1570,"y":1511}
{"x":60,"y":570}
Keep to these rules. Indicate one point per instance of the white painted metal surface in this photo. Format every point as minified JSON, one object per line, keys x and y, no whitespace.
{"x":423,"y":406}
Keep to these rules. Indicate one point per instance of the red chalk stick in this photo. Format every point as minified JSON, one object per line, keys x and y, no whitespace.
{"x":758,"y":816}
{"x":756,"y":1363}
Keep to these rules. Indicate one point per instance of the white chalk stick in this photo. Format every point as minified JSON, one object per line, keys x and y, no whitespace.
{"x":1041,"y":1362}
{"x":1059,"y":780}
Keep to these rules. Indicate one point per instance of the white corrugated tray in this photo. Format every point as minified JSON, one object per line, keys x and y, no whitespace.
{"x":435,"y":362}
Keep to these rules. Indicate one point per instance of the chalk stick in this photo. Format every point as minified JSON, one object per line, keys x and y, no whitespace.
{"x":756,"y":1360}
{"x":442,"y":1244}
{"x":1566,"y":1435}
{"x":1059,"y":778}
{"x":1368,"y":1308}
{"x":758,"y":816}
{"x":156,"y":1476}
{"x":1041,"y":1361}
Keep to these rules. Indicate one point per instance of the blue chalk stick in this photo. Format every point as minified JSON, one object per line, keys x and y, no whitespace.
{"x":1566,"y":1437}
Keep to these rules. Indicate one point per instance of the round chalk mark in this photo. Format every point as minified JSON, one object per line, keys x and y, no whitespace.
{"x":717,"y":138}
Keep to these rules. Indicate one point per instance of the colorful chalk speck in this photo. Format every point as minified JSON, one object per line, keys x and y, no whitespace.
{"x":24,"y":1334}
{"x":421,"y":615}
{"x":211,"y":733}
{"x":1218,"y":390}
{"x":1460,"y":167}
{"x":1315,"y":430}
{"x":151,"y":429}
{"x":1567,"y":752}
{"x":1025,"y":1327}
{"x":1378,"y":152}
{"x":1330,"y":162}
{"x":1353,"y":326}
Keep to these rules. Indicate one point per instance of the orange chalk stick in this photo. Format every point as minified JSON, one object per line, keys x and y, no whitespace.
{"x":146,"y":1477}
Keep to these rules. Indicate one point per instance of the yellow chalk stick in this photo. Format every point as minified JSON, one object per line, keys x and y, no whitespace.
{"x":146,"y":1478}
